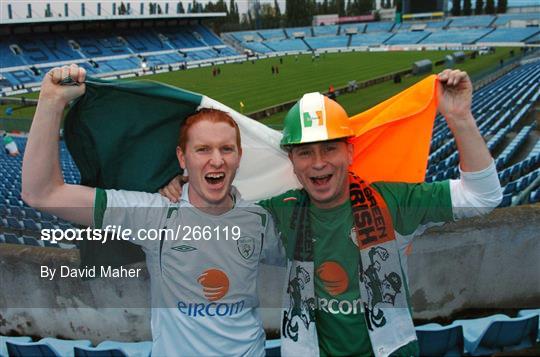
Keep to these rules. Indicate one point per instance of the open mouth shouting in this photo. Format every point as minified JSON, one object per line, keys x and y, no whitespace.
{"x":320,"y":180}
{"x":215,"y":178}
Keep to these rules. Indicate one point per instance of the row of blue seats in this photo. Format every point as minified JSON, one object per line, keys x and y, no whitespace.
{"x":389,"y":38}
{"x":333,"y":30}
{"x":474,"y":337}
{"x":480,"y":337}
{"x":514,"y":90}
{"x":52,"y":347}
{"x":30,"y":224}
{"x":46,"y":48}
{"x":11,"y":238}
{"x":27,"y":76}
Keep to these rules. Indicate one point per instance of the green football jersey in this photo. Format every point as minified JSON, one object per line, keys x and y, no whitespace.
{"x":341,"y":324}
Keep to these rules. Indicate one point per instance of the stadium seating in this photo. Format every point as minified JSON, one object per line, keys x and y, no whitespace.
{"x":531,"y":312}
{"x":305,"y":30}
{"x":360,"y":28}
{"x":275,"y":34}
{"x":471,"y":21}
{"x":371,"y":39}
{"x":327,"y":42}
{"x":407,"y":38}
{"x":438,"y":24}
{"x":328,"y":30}
{"x":379,"y":27}
{"x":273,"y":348}
{"x":4,"y":339}
{"x":503,"y":19}
{"x":52,"y":347}
{"x":241,"y":35}
{"x":511,"y":34}
{"x":112,"y":348}
{"x":287,"y":45}
{"x":45,"y":347}
{"x":497,"y":333}
{"x":105,"y":53}
{"x":259,"y":47}
{"x":437,"y":340}
{"x":456,"y":36}
{"x":499,"y":108}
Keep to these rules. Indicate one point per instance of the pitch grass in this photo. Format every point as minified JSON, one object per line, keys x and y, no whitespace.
{"x":254,"y":84}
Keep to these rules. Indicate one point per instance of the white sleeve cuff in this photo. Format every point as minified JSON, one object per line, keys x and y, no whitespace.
{"x":475,"y":193}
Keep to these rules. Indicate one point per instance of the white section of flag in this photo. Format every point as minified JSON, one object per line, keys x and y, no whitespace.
{"x":265,"y":169}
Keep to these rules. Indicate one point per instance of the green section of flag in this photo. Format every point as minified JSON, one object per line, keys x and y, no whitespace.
{"x":123,"y":135}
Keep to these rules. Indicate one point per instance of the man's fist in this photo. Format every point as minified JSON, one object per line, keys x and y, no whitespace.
{"x":63,"y":84}
{"x":455,"y":96}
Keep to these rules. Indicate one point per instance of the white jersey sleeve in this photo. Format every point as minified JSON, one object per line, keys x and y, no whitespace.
{"x":475,"y":193}
{"x":142,"y":213}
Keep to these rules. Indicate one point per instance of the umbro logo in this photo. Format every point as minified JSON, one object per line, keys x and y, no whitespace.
{"x":184,"y":248}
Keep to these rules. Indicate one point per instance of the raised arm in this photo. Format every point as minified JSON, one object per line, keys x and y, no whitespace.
{"x":478,"y":190}
{"x":43,"y":185}
{"x":455,"y":100}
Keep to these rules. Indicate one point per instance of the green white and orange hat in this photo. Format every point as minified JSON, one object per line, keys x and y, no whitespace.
{"x":314,"y":118}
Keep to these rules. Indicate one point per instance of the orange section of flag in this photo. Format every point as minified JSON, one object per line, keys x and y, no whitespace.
{"x":393,"y":138}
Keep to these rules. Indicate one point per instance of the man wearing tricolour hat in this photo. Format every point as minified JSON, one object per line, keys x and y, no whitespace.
{"x":345,"y":238}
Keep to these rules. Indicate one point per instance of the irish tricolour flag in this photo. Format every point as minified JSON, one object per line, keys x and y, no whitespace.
{"x":123,"y":135}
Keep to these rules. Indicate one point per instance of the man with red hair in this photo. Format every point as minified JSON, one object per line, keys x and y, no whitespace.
{"x":204,"y":267}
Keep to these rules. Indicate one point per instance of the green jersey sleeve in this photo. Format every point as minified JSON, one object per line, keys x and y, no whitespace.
{"x":281,"y":208}
{"x":413,"y":205}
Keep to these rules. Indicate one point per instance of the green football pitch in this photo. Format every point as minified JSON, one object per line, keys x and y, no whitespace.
{"x":254,"y":84}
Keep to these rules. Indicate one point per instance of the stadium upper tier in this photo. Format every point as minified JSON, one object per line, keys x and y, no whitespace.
{"x":101,"y":52}
{"x":472,"y":21}
{"x":461,"y":30}
{"x":501,"y":109}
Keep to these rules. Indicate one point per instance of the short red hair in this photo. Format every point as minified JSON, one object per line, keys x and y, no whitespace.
{"x":211,"y":115}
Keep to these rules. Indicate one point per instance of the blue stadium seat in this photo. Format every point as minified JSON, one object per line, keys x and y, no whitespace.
{"x":506,"y":201}
{"x":47,"y":225}
{"x":4,"y":339}
{"x":31,"y":213}
{"x":437,"y":340}
{"x":46,"y":347}
{"x":273,"y":348}
{"x":14,"y":201}
{"x":531,"y":312}
{"x":116,"y":349}
{"x":30,"y":225}
{"x":498,"y":333}
{"x":534,"y":196}
{"x":13,"y":223}
{"x":48,"y":217}
{"x":11,"y":238}
{"x":16,"y":212}
{"x":30,"y":241}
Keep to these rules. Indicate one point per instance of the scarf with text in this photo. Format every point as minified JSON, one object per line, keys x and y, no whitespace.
{"x":381,"y":279}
